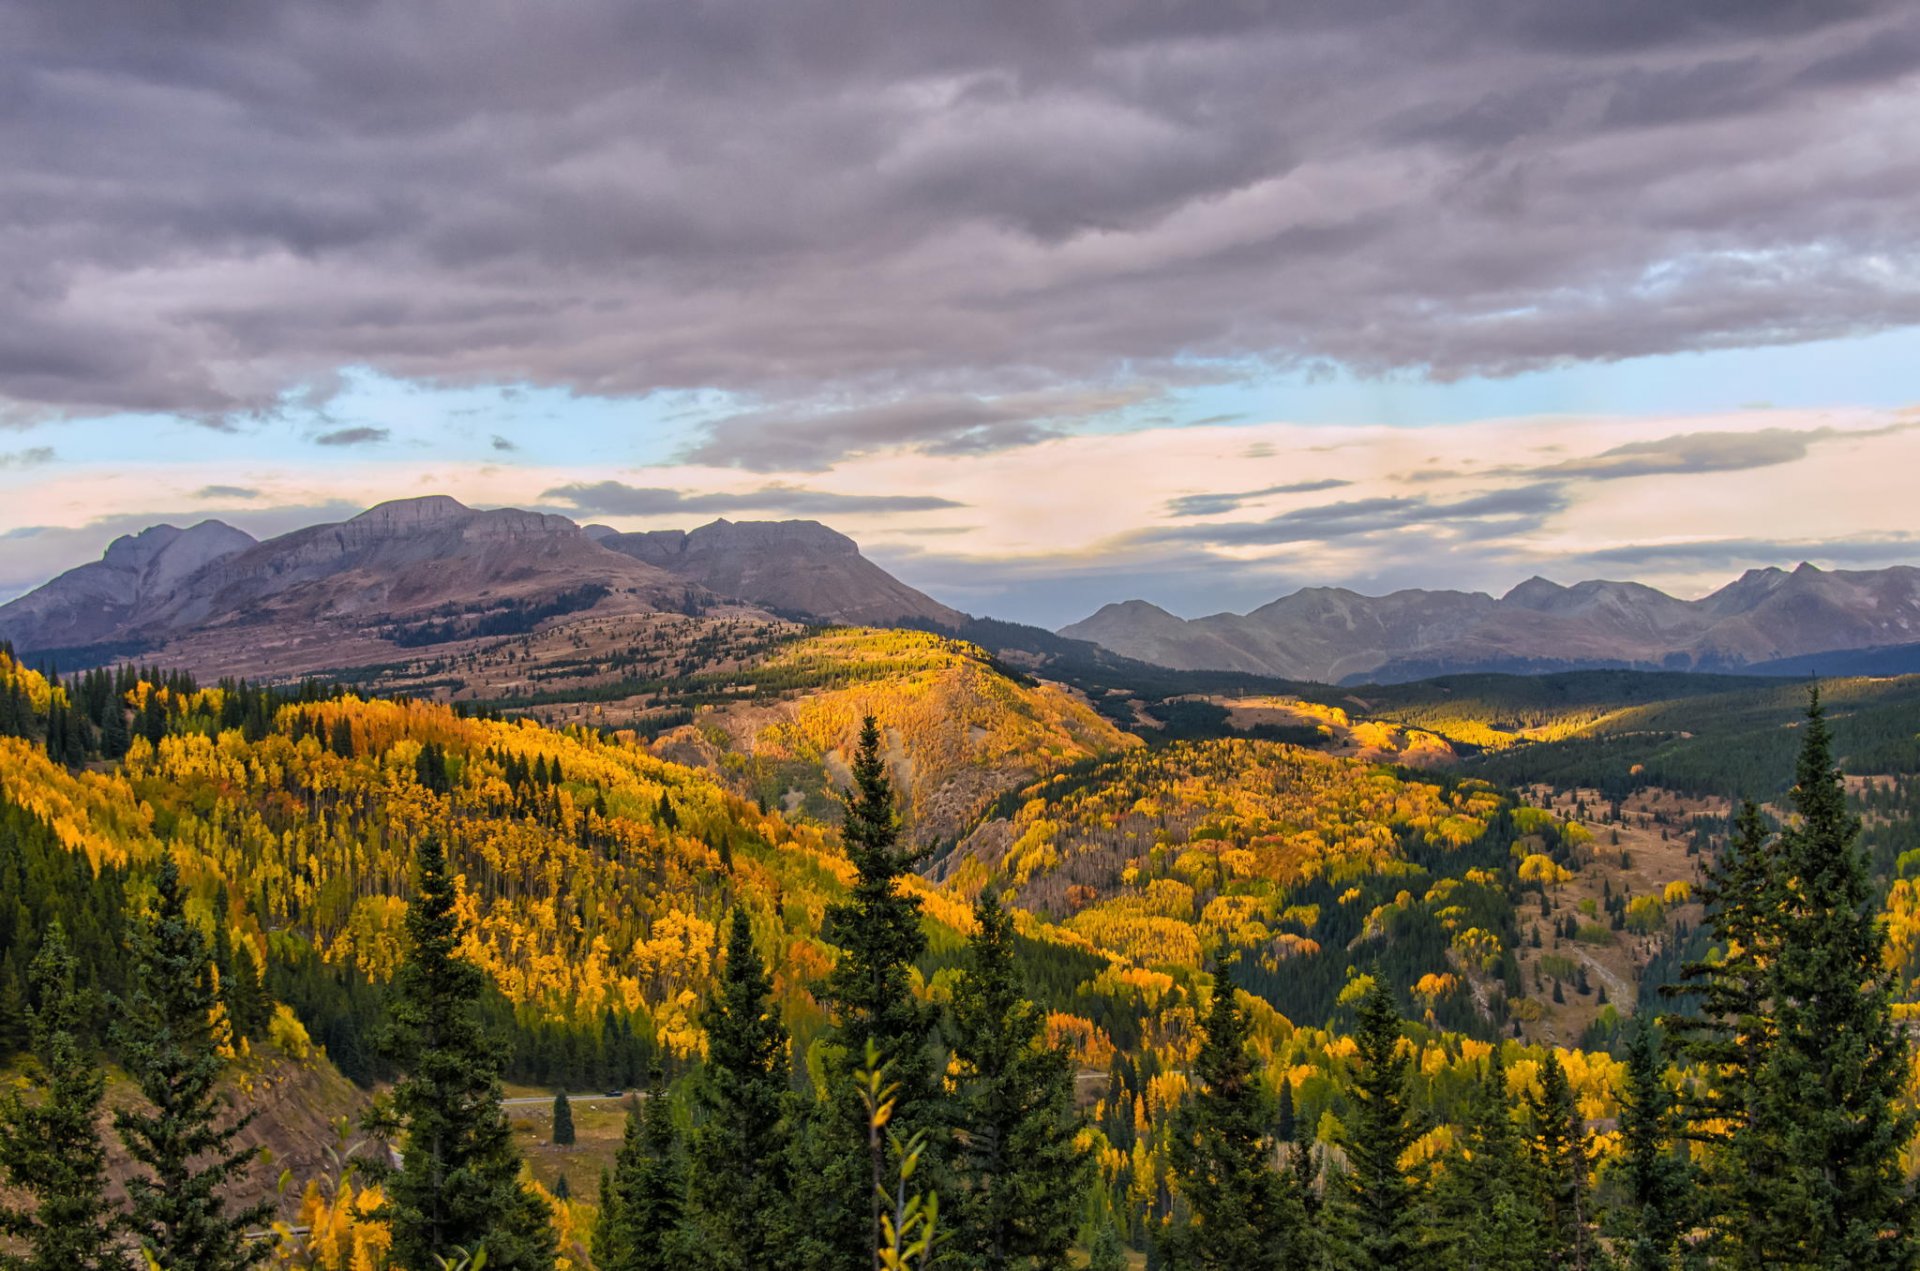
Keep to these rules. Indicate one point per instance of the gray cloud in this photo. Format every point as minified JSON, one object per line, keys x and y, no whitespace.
{"x":501,"y":443}
{"x":31,"y":457}
{"x":1739,"y":553}
{"x":1691,"y":453}
{"x":226,"y":492}
{"x":1216,"y":504}
{"x":828,"y":203}
{"x":613,"y":498}
{"x":1497,"y":512}
{"x":359,"y":435}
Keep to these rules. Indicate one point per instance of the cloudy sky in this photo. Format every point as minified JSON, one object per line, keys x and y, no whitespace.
{"x":1049,"y":304}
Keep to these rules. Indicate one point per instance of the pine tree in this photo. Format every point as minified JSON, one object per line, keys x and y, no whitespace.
{"x":1658,"y":1182}
{"x":562,"y":1120}
{"x":1378,"y":1203}
{"x":1224,"y":1160}
{"x":1831,"y":1084}
{"x":187,"y":1157}
{"x":1020,"y":1173}
{"x":1730,"y":1030}
{"x":870,"y":992}
{"x":1486,"y":1215}
{"x":1107,"y":1252}
{"x":1560,"y":1154}
{"x":641,"y":1224}
{"x":50,"y":1148}
{"x":1284,"y":1127}
{"x":740,"y":1185}
{"x":459,"y":1180}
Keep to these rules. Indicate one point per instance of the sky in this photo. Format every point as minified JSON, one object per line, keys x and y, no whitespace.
{"x":1048,"y":304}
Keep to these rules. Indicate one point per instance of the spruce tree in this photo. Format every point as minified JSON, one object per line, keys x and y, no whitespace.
{"x":459,"y":1179}
{"x":1658,"y":1182}
{"x":1021,"y":1177}
{"x":1223,"y":1158}
{"x":1486,"y":1215}
{"x":641,"y":1225}
{"x":1560,"y":1155}
{"x":1377,"y":1209}
{"x":870,"y":994}
{"x":1831,"y":1084}
{"x":50,"y":1148}
{"x":1726,"y":1030}
{"x":187,"y":1158}
{"x":562,"y":1120}
{"x":740,"y":1185}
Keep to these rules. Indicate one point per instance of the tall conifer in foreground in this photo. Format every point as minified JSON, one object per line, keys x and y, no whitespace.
{"x":1377,"y":1211}
{"x":459,"y":1180}
{"x":870,"y":993}
{"x":50,"y":1148}
{"x":642,"y":1225}
{"x":1658,"y":1181}
{"x":1486,"y":1211}
{"x":739,"y":1176}
{"x":187,"y":1158}
{"x":1560,"y":1152}
{"x":1224,"y":1158}
{"x":1831,"y":1083}
{"x":1021,"y":1176}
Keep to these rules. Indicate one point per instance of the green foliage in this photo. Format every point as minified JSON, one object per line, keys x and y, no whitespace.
{"x":1242,"y":1214}
{"x":641,"y":1226}
{"x":1376,"y":1211}
{"x":562,"y":1120}
{"x":186,"y":1156}
{"x":1658,"y":1180}
{"x":1559,"y":1144}
{"x":459,"y":1179}
{"x":50,"y":1147}
{"x":1486,"y":1204}
{"x":1020,"y":1177}
{"x":739,"y":1181}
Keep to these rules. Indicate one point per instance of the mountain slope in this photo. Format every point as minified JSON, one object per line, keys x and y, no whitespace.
{"x":104,"y":599}
{"x":798,"y":568}
{"x":1333,"y":635}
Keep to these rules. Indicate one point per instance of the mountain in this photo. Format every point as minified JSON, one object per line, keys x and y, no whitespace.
{"x":799,"y":568}
{"x":405,"y":573}
{"x":104,"y":599}
{"x":1333,"y":635}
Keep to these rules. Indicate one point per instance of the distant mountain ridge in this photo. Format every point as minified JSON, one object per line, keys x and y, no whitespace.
{"x":430,"y":570}
{"x":1767,"y":617}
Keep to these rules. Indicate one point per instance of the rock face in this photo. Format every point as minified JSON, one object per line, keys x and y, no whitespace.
{"x":795,"y":568}
{"x":1333,"y":635}
{"x":429,"y":558}
{"x":101,"y":601}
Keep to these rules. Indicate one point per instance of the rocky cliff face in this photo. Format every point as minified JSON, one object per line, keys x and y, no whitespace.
{"x":102,"y":600}
{"x":1333,"y":635}
{"x":798,"y":568}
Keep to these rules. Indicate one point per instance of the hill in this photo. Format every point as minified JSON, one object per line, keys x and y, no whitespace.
{"x":1332,"y":635}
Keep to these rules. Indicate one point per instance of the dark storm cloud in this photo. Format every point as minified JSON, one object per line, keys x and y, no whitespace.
{"x":360,"y":435}
{"x":1476,"y":516}
{"x":1216,"y":504}
{"x":939,"y":209}
{"x":613,"y":498}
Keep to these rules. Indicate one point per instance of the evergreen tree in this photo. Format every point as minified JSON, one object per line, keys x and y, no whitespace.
{"x":870,"y":992}
{"x":1729,"y":1031}
{"x":641,"y":1224}
{"x":1223,"y":1158}
{"x":459,"y":1180}
{"x":1021,"y":1176}
{"x":1284,"y":1127}
{"x":1107,"y":1252}
{"x":1831,"y":1084}
{"x":740,"y":1184}
{"x":50,"y":1148}
{"x":1377,"y":1208}
{"x":1560,"y":1154}
{"x":562,"y":1120}
{"x":1485,"y":1213}
{"x":1658,"y":1182}
{"x":187,"y":1157}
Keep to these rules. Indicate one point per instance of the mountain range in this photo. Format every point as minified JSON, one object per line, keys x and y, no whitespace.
{"x":1764,"y":620}
{"x":431,"y":571}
